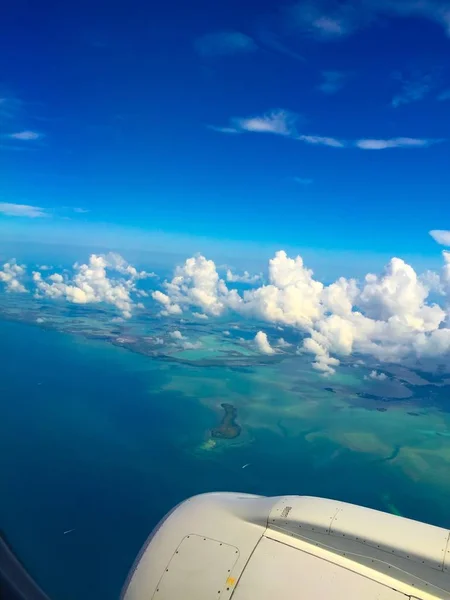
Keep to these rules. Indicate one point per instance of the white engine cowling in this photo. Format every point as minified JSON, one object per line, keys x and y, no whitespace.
{"x":225,"y":545}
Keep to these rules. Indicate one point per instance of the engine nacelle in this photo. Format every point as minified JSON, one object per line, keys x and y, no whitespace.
{"x":225,"y":545}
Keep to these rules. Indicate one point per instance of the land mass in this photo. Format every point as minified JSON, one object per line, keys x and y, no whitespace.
{"x":228,"y":428}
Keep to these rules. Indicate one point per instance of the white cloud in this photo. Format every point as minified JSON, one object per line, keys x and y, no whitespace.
{"x":281,"y":343}
{"x":332,"y":81}
{"x":81,"y":210}
{"x":224,"y":43}
{"x":292,"y":296}
{"x":441,"y":236}
{"x":262,"y":343}
{"x":377,"y":376}
{"x":196,"y":284}
{"x":283,"y":122}
{"x":92,"y":284}
{"x":319,"y":140}
{"x":400,"y":142}
{"x":119,"y":264}
{"x":200,"y":316}
{"x":192,"y":345}
{"x":176,"y":335}
{"x":22,"y":210}
{"x":412,"y":89}
{"x":244,"y":278}
{"x":387,"y":317}
{"x":11,"y":274}
{"x":278,"y":122}
{"x":25,"y":136}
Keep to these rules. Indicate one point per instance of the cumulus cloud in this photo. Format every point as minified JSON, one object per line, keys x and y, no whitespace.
{"x":441,"y":236}
{"x":197,"y":285}
{"x":192,"y":345}
{"x":92,"y":283}
{"x":119,"y":264}
{"x":224,"y":43}
{"x":176,"y":335}
{"x":281,"y":343}
{"x":244,"y":278}
{"x":387,"y":316}
{"x":22,"y":210}
{"x":11,"y":275}
{"x":377,"y":376}
{"x":262,"y":343}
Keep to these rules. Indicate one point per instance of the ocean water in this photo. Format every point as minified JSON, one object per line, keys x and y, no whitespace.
{"x":104,"y":441}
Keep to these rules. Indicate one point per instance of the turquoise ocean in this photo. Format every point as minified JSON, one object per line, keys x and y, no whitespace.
{"x":94,"y":439}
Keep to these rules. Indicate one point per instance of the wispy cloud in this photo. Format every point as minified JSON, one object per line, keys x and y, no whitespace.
{"x":445,"y":95}
{"x":330,"y":19}
{"x":224,"y":129}
{"x":272,"y":41}
{"x":224,"y":43}
{"x":319,"y":140}
{"x":400,"y":142}
{"x":81,"y":210}
{"x":413,"y":89}
{"x":325,"y":19}
{"x":278,"y":122}
{"x":9,"y":107}
{"x":25,"y":136}
{"x":441,"y":236}
{"x":332,"y":81}
{"x":283,"y":122}
{"x":22,"y":210}
{"x":303,"y":180}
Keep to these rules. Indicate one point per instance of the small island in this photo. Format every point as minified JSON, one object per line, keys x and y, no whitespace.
{"x":228,"y":428}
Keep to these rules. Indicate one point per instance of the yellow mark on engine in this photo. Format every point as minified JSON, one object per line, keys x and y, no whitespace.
{"x":231,"y":581}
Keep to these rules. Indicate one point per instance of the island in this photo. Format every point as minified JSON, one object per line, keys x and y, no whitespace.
{"x":228,"y":428}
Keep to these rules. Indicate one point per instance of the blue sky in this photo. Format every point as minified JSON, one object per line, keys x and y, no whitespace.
{"x":321,"y":126}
